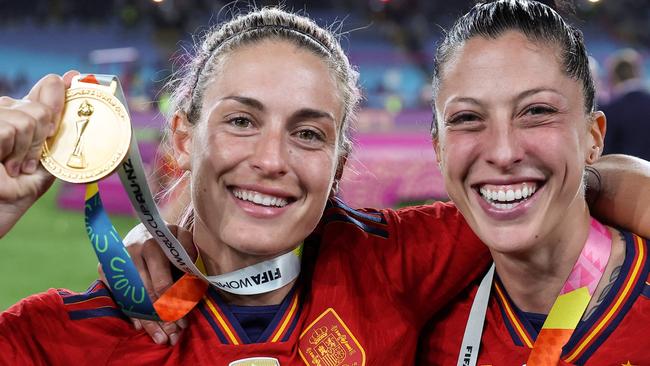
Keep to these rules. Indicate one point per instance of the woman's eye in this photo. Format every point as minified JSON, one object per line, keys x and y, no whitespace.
{"x":240,"y":122}
{"x":309,"y":135}
{"x":462,"y":118}
{"x":538,"y":110}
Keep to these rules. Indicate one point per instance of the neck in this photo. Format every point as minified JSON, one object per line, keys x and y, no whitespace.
{"x":220,"y":258}
{"x":534,"y":278}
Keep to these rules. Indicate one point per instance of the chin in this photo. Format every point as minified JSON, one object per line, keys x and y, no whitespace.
{"x":259,"y":246}
{"x":508,"y":240}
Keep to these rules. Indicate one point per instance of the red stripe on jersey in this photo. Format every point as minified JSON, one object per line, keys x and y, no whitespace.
{"x":91,"y":303}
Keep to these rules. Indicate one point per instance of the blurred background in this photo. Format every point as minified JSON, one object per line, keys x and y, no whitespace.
{"x":390,"y":41}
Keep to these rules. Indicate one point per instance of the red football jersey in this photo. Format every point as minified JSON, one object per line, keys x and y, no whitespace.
{"x":615,"y":334}
{"x":370,"y":281}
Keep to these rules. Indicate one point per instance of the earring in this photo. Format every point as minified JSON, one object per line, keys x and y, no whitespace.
{"x":593,"y":154}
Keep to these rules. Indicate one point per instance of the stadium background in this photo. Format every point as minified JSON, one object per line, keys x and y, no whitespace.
{"x":391,"y":42}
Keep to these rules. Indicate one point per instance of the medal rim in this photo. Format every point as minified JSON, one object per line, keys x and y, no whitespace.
{"x":52,"y":165}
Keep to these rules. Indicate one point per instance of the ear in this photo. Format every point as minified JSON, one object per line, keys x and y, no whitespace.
{"x":181,"y":139}
{"x":597,"y":132}
{"x":436,"y":148}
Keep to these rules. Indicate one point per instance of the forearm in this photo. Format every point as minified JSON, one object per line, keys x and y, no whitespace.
{"x":623,"y":198}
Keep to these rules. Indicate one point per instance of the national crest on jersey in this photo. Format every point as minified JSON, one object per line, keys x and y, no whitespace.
{"x":327,"y":341}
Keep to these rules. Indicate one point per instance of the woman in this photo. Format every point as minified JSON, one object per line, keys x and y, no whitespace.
{"x":516,"y":127}
{"x":369,"y":279}
{"x":260,"y":125}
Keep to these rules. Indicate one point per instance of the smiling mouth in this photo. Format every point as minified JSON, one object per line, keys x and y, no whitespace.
{"x":260,"y":198}
{"x":506,"y":197}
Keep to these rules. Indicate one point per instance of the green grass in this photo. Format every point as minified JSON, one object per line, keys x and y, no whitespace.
{"x":48,"y":248}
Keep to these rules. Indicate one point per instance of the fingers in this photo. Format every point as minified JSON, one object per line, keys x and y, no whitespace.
{"x":50,"y":90}
{"x":24,"y":127}
{"x":161,"y":333}
{"x":67,"y":77}
{"x":155,"y":271}
{"x":186,"y":239}
{"x":26,"y":123}
{"x":158,"y":266}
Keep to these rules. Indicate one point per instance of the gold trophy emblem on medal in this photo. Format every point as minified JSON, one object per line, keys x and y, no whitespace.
{"x":76,"y":160}
{"x":93,"y":137}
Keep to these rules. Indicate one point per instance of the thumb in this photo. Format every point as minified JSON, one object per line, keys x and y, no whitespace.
{"x":50,"y":91}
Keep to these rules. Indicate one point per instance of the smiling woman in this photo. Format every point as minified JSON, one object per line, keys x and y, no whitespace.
{"x":259,"y":125}
{"x":516,"y":129}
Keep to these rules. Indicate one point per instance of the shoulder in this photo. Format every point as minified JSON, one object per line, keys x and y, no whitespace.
{"x":95,"y":302}
{"x":59,"y":306}
{"x":439,"y":223}
{"x":380,"y":221}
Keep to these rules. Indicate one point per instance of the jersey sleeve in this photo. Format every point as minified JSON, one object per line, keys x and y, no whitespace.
{"x":57,"y":326}
{"x":25,"y":326}
{"x":434,"y":256}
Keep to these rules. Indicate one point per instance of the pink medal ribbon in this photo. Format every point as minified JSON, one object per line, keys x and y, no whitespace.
{"x":574,"y":298}
{"x":592,"y":261}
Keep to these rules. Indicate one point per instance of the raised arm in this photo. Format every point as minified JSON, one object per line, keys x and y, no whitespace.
{"x":24,"y":126}
{"x":623,"y":198}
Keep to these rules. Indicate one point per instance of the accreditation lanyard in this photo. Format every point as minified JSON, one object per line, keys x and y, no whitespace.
{"x":121,"y":274}
{"x":566,"y":312}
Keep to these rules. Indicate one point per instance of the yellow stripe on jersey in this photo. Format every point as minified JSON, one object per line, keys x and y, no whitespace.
{"x":632,"y":279}
{"x":221,"y":321}
{"x":513,"y":318}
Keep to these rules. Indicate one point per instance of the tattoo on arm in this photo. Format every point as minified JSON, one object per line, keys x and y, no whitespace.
{"x":612,"y":278}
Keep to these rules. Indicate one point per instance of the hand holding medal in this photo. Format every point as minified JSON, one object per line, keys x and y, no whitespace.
{"x":25,"y":125}
{"x":93,"y":139}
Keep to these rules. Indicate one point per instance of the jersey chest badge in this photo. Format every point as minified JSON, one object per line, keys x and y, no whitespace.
{"x":327,"y":341}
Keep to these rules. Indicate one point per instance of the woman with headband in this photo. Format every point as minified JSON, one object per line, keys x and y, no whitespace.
{"x":516,"y":128}
{"x":261,"y":126}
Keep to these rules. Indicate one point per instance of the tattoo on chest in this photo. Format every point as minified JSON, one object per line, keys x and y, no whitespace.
{"x":612,"y":279}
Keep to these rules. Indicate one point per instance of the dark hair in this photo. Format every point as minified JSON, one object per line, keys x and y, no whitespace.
{"x":536,"y":21}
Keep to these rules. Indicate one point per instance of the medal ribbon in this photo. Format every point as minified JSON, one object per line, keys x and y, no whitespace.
{"x":566,"y":312}
{"x":574,"y":298}
{"x":121,"y":274}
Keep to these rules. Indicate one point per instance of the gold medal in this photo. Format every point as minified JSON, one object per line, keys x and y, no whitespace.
{"x":93,"y":137}
{"x":256,"y":361}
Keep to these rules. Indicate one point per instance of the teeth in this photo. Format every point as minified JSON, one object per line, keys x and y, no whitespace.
{"x":500,"y":196}
{"x":259,"y":198}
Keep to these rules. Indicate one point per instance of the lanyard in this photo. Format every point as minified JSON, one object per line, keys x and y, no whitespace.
{"x":565,"y":313}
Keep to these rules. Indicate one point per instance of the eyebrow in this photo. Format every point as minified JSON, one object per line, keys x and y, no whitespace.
{"x":530,"y":92}
{"x":310,"y":113}
{"x":253,"y":103}
{"x":517,"y":98}
{"x":304,"y":113}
